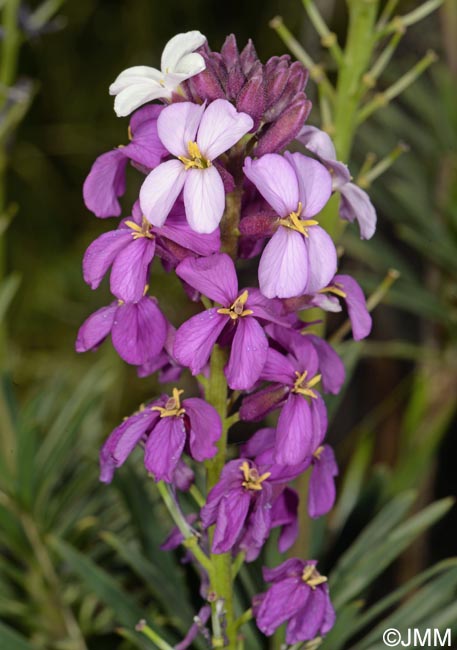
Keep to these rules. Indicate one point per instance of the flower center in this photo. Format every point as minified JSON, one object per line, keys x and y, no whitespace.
{"x":172,"y":407}
{"x":312,"y":578}
{"x":294,"y":222}
{"x":252,"y":480}
{"x":195,"y":159}
{"x":303,"y":387}
{"x":336,"y":289}
{"x":140,"y":231}
{"x":237,"y":309}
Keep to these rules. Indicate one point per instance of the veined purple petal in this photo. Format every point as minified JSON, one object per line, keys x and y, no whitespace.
{"x":314,"y":183}
{"x":195,"y":629}
{"x":204,"y":198}
{"x":294,"y":433}
{"x":231,"y":516}
{"x":139,"y":331}
{"x":177,"y":126}
{"x":122,"y":442}
{"x":183,"y":477}
{"x":214,"y":277}
{"x":318,"y":142}
{"x":322,"y":259}
{"x":101,"y":253}
{"x":329,"y":617}
{"x":182,"y":234}
{"x":276,"y":181}
{"x":221,"y":127}
{"x":266,"y":309}
{"x":145,"y":147}
{"x":308,"y":620}
{"x":330,"y":365}
{"x":290,"y":568}
{"x":161,"y":189}
{"x":321,"y":495}
{"x":129,"y":274}
{"x":281,"y":602}
{"x":205,"y":428}
{"x":196,"y":337}
{"x":96,"y":328}
{"x":355,"y":300}
{"x":248,"y":354}
{"x":320,"y":421}
{"x":261,"y":440}
{"x":285,"y":514}
{"x":257,"y":405}
{"x":164,"y":447}
{"x":356,"y":206}
{"x":305,"y":354}
{"x":105,"y":183}
{"x":283,"y":268}
{"x":278,"y":368}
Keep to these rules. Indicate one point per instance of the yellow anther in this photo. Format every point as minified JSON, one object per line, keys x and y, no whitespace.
{"x":237,"y":309}
{"x":195,"y":159}
{"x":252,"y":480}
{"x":294,"y":222}
{"x":172,"y":406}
{"x":312,"y":578}
{"x":130,"y":134}
{"x":303,"y":387}
{"x":317,"y":454}
{"x":140,"y":231}
{"x":334,"y":288}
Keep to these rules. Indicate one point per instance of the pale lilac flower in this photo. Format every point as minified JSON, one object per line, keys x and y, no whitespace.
{"x":300,"y":257}
{"x":215,"y":277}
{"x":138,"y":330}
{"x":345,"y":288}
{"x":355,"y":203}
{"x":130,"y":250}
{"x":299,"y":597}
{"x":167,"y":427}
{"x":106,"y":180}
{"x":196,"y":136}
{"x":140,"y":84}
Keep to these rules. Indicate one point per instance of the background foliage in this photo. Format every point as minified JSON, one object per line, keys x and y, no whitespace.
{"x":80,"y":560}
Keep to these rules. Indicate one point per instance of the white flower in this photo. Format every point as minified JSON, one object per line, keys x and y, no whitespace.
{"x":141,"y":84}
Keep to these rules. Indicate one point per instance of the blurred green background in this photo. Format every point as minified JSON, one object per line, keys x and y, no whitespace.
{"x":394,"y":428}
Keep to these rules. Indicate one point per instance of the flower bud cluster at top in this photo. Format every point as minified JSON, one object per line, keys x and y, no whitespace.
{"x":213,"y":152}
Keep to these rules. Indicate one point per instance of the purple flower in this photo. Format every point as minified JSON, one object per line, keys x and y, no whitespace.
{"x":170,"y":370}
{"x":130,"y":250}
{"x":299,"y":596}
{"x":138,"y":330}
{"x":106,"y":180}
{"x":215,"y":277}
{"x":167,"y":428}
{"x":300,"y":257}
{"x":321,"y":495}
{"x":196,"y":137}
{"x":343,"y":287}
{"x":355,"y":203}
{"x":303,"y":419}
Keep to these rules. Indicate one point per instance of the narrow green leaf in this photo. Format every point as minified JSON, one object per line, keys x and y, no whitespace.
{"x":12,"y":640}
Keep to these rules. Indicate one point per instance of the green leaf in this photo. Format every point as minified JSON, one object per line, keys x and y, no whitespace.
{"x":12,"y":640}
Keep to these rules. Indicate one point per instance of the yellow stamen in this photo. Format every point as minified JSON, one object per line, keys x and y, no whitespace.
{"x":140,"y":231}
{"x":130,"y":134}
{"x":294,"y":222}
{"x":318,"y":452}
{"x":334,"y":288}
{"x":303,"y":387}
{"x":172,"y":407}
{"x":237,"y":309}
{"x":312,"y":577}
{"x":252,"y":480}
{"x":195,"y":159}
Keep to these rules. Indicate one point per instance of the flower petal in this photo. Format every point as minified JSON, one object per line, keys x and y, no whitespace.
{"x":276,"y":181}
{"x":164,"y":447}
{"x":278,"y":368}
{"x":221,"y":127}
{"x":96,"y":328}
{"x":294,"y":433}
{"x":178,"y":47}
{"x":322,"y":492}
{"x":195,"y":339}
{"x":330,"y":365}
{"x":137,"y":94}
{"x":205,"y":428}
{"x":139,"y":331}
{"x":307,"y":622}
{"x":281,"y":602}
{"x":231,"y":516}
{"x":214,"y":277}
{"x":322,"y":259}
{"x":318,"y":142}
{"x":101,"y":254}
{"x":357,"y":307}
{"x":314,"y":182}
{"x":283,"y":267}
{"x":105,"y":183}
{"x":204,"y":198}
{"x":177,"y":126}
{"x":356,"y":206}
{"x":129,"y":274}
{"x":160,"y":190}
{"x":247,"y":355}
{"x":135,"y":75}
{"x":145,"y":147}
{"x":179,"y":231}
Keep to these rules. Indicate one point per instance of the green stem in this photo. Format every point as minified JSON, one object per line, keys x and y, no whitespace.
{"x":221,"y":577}
{"x":153,"y":636}
{"x":328,"y":38}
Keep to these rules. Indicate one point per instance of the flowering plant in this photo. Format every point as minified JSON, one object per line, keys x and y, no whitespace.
{"x":235,"y":179}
